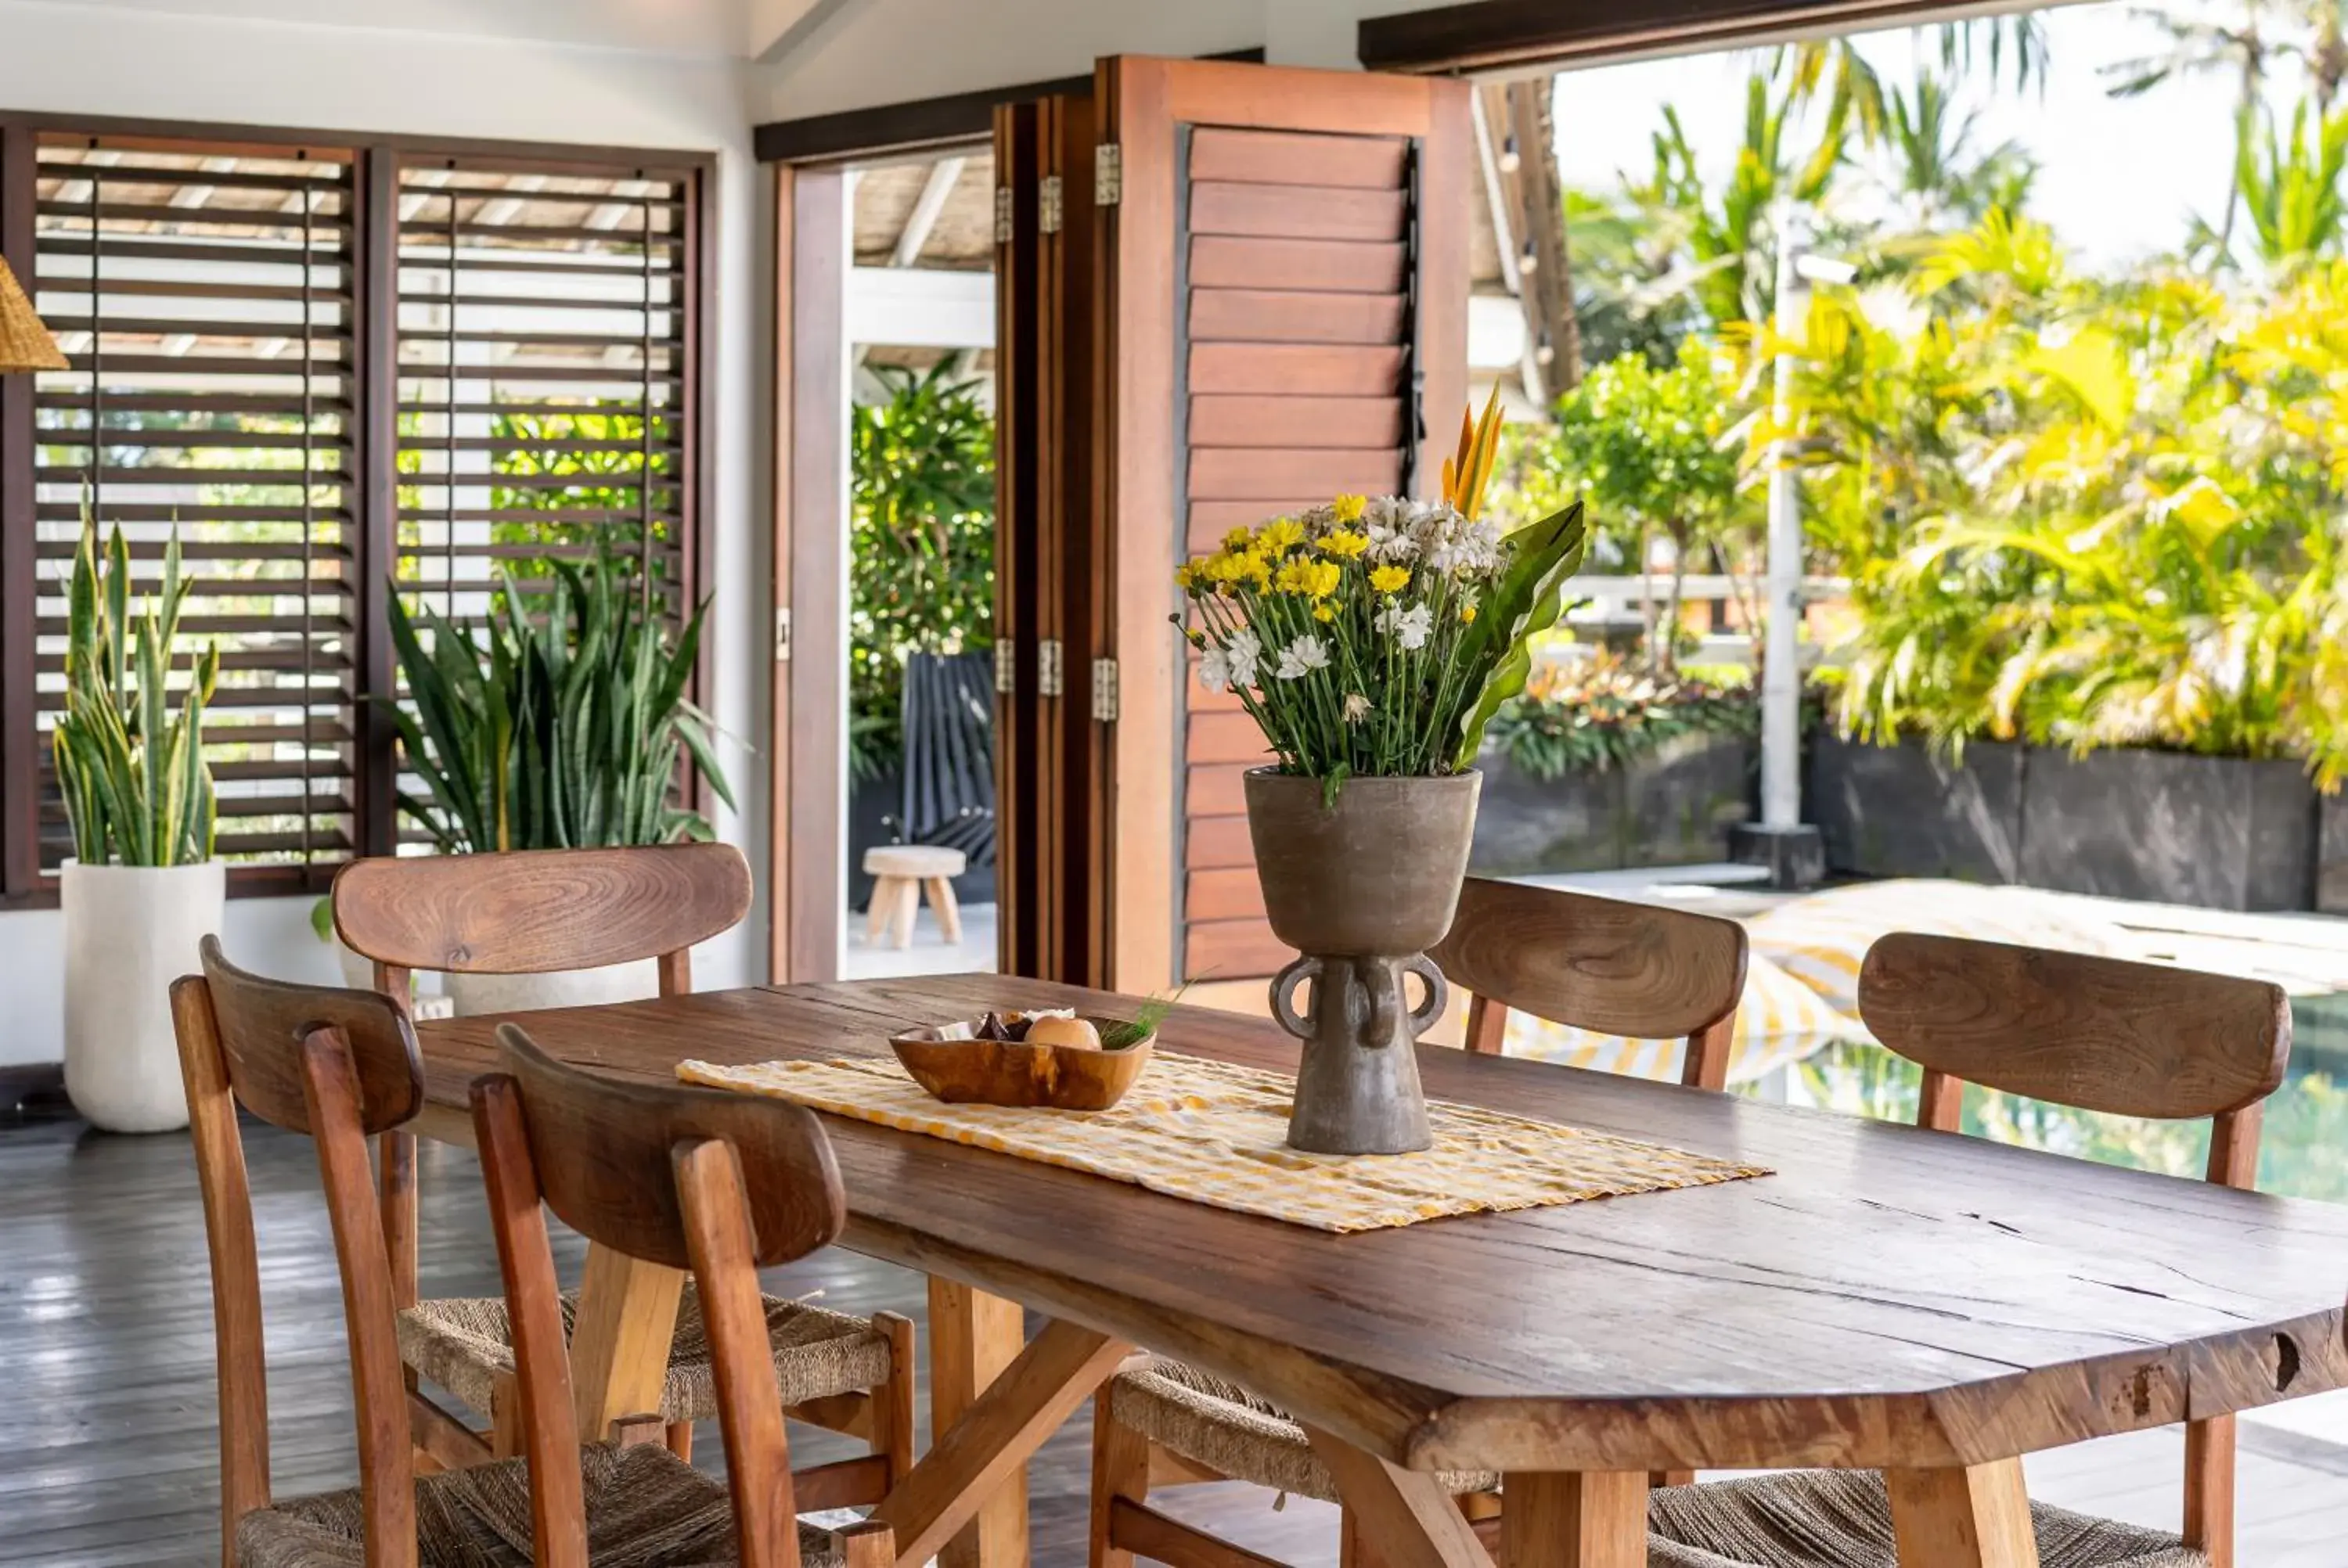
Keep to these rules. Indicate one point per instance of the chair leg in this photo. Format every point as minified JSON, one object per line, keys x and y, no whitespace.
{"x":679,"y":1437}
{"x":942,"y":899}
{"x":908,"y":905}
{"x":877,"y":912}
{"x":1120,"y":1469}
{"x":892,"y":1401}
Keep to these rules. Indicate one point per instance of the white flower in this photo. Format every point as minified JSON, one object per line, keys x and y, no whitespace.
{"x":1388,"y":522}
{"x":1410,"y":627}
{"x":1357,"y":707}
{"x":1302,"y":657}
{"x":1454,"y":545}
{"x":1215,"y":671}
{"x":1241,"y":656}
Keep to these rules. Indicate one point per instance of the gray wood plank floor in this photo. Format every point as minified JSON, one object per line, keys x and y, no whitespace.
{"x":107,"y":1427}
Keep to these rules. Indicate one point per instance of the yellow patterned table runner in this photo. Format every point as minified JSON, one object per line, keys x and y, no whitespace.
{"x":1215,"y":1133}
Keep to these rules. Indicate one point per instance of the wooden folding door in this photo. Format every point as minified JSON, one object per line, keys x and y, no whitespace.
{"x":1280,"y":315}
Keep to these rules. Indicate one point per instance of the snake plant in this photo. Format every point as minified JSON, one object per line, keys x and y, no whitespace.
{"x":136,"y":790}
{"x":562,"y":725}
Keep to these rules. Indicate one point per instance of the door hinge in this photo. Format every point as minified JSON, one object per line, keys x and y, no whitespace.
{"x":782,"y":637}
{"x":1003,"y":211}
{"x":1050,"y":204}
{"x":1105,"y":691}
{"x":1108,"y":174}
{"x":1048,"y":682}
{"x":1006,"y":667}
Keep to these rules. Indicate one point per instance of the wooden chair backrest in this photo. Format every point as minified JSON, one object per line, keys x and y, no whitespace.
{"x":2095,"y":1034}
{"x":335,"y":1065}
{"x":1600,"y":964}
{"x":536,"y":911}
{"x":722,"y":1185}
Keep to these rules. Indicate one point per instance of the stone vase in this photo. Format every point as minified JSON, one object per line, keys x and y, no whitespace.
{"x":1362,"y":888}
{"x":130,"y":931}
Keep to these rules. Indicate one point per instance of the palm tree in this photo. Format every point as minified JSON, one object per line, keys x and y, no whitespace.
{"x":1933,"y":172}
{"x":2011,"y":47}
{"x":2291,"y":189}
{"x":2199,"y":46}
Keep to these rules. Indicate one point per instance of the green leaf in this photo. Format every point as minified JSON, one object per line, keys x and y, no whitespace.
{"x":1528,"y":598}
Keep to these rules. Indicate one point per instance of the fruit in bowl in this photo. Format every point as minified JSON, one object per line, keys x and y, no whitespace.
{"x":1046,"y":1059}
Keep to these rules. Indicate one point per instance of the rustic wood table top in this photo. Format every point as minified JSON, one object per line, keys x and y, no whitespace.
{"x":1889,"y":1297}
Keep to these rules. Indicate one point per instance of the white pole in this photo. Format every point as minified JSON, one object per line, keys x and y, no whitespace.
{"x":1781,"y":673}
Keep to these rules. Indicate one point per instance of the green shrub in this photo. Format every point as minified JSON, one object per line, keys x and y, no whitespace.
{"x":921,"y":545}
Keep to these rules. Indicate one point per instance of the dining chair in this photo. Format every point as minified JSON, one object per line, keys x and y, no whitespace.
{"x":692,"y":1179}
{"x":1606,"y":965}
{"x":536,"y":911}
{"x":337,"y":1067}
{"x":1575,"y":959}
{"x":2101,"y":1035}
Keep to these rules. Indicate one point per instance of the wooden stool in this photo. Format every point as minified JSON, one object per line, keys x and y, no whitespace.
{"x":901,"y":871}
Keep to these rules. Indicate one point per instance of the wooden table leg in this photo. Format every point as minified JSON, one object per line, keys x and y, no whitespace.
{"x":974,"y":1337}
{"x":1976,"y":1516}
{"x":1553,"y":1519}
{"x":620,"y":1342}
{"x":970,"y":1466}
{"x":1408,"y":1515}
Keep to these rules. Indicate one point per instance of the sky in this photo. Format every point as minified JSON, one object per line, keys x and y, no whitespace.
{"x":2119,"y":178}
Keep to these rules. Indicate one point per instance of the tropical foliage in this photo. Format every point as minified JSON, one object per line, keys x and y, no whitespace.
{"x":2080,"y":506}
{"x":130,"y":759}
{"x":1602,"y":711}
{"x":563,"y":724}
{"x":921,"y":543}
{"x":1377,"y":637}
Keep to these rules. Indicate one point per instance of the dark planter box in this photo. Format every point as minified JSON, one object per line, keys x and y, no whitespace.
{"x":872,"y":809}
{"x":1674,"y":807}
{"x":2220,"y":832}
{"x":2223,"y":832}
{"x":2332,"y":854}
{"x":1903,"y":811}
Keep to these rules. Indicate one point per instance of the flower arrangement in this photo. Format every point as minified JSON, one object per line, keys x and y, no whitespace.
{"x":1375,"y":636}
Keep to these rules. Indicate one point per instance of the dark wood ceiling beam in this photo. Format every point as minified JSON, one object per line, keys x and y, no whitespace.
{"x":922,"y":124}
{"x":1493,"y":35}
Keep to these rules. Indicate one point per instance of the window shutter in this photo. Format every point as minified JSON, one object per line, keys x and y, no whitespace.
{"x":203,"y":294}
{"x":1286,"y":270}
{"x":546,"y":396}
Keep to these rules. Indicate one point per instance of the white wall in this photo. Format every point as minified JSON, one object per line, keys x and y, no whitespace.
{"x":152,"y":58}
{"x":860,"y":56}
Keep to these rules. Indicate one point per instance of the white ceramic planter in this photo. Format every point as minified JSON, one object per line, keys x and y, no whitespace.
{"x":476,"y":994}
{"x":130,"y":931}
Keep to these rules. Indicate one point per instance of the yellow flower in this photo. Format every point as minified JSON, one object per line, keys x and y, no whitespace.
{"x":1468,"y":613}
{"x":1236,"y":540}
{"x":1254,"y":569}
{"x":1390,"y":578}
{"x":1349,"y":507}
{"x":1282,"y":535}
{"x":1316,"y":579}
{"x":1347,"y":543}
{"x":1325,"y":611}
{"x":1185,"y":575}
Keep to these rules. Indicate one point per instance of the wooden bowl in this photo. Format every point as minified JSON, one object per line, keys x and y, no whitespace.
{"x":956,"y":1064}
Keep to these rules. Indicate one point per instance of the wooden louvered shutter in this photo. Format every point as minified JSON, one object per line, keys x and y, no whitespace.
{"x":204,"y":295}
{"x":1283,"y":309}
{"x":548,"y":396}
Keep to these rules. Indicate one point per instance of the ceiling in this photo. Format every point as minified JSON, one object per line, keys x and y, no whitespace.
{"x":735,"y":28}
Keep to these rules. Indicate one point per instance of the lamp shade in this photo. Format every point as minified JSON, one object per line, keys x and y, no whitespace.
{"x":24,"y":342}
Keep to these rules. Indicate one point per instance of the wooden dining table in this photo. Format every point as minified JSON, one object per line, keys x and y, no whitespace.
{"x":1921,"y":1303}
